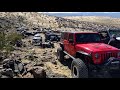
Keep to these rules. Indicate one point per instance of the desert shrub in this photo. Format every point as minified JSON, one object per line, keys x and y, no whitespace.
{"x":12,"y":38}
{"x":7,"y":42}
{"x":2,"y":40}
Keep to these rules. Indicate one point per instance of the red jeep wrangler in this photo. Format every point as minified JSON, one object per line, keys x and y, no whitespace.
{"x":91,"y":57}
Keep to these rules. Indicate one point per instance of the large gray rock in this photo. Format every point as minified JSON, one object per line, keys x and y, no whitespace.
{"x":39,"y":64}
{"x":1,"y":67}
{"x":8,"y":64}
{"x":5,"y":61}
{"x":4,"y":76}
{"x":15,"y":65}
{"x":54,"y":62}
{"x":28,"y":75}
{"x":38,"y":72}
{"x":8,"y":72}
{"x":19,"y":66}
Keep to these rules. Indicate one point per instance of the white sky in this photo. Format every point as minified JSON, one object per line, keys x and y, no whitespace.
{"x":111,"y":14}
{"x":78,"y":12}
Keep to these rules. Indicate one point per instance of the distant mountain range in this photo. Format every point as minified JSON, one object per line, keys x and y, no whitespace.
{"x":62,"y":14}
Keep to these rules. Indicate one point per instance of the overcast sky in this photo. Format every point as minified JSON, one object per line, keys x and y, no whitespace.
{"x":60,"y":14}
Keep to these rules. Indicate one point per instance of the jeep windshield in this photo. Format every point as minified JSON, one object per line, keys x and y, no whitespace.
{"x":116,"y":32}
{"x":88,"y":38}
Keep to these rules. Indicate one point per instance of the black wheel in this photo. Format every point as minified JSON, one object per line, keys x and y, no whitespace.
{"x":79,"y":69}
{"x":60,"y":54}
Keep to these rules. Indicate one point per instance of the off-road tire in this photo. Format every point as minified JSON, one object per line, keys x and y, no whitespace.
{"x":60,"y":54}
{"x":79,"y":69}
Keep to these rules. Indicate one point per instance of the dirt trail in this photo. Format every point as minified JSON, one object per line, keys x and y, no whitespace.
{"x":57,"y":68}
{"x":47,"y":56}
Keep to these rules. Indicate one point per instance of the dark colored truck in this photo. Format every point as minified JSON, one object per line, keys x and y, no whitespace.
{"x":91,"y":57}
{"x":106,"y":35}
{"x":52,"y":37}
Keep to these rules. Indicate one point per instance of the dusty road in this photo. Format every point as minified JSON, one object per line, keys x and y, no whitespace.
{"x":46,"y":57}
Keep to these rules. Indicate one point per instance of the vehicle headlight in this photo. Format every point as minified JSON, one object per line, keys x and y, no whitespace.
{"x":97,"y":55}
{"x":118,"y":54}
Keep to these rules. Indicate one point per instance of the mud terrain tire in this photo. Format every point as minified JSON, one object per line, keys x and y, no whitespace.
{"x":60,"y":54}
{"x":79,"y":69}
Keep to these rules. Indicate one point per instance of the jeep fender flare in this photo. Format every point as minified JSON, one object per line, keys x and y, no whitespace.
{"x":82,"y":54}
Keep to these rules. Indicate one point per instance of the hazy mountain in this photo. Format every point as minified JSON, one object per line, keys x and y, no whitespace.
{"x":62,"y":14}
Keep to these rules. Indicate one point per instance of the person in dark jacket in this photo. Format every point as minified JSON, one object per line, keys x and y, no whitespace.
{"x":114,"y":42}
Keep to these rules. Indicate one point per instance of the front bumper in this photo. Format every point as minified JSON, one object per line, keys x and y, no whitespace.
{"x":109,"y":69}
{"x":112,"y":64}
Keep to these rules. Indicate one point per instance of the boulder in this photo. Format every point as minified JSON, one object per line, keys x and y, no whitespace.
{"x":19,"y":66}
{"x":8,"y":64}
{"x":44,"y":53}
{"x":39,"y":64}
{"x":1,"y":66}
{"x":4,"y":76}
{"x":5,"y":61}
{"x":38,"y":72}
{"x":8,"y":72}
{"x":28,"y":75}
{"x":54,"y":62}
{"x":15,"y":65}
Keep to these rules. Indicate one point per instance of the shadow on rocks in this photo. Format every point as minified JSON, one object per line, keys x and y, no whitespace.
{"x":67,"y":62}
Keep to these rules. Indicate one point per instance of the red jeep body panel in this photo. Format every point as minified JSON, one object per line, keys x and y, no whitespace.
{"x":95,"y":47}
{"x":100,"y":48}
{"x":104,"y":50}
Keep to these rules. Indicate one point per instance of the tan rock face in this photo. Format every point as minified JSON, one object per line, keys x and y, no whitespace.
{"x":11,"y":20}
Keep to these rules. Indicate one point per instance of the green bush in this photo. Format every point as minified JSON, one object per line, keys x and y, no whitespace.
{"x":7,"y":41}
{"x":2,"y":40}
{"x":12,"y":38}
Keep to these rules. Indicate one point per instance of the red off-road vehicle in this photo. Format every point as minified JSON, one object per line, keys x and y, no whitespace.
{"x":91,"y":57}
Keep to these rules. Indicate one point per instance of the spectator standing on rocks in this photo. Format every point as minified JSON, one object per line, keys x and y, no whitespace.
{"x":114,"y":42}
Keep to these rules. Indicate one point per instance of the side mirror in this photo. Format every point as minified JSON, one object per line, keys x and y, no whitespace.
{"x":71,"y":41}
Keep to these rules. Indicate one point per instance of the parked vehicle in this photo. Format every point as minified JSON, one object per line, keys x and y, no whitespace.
{"x":52,"y":37}
{"x":106,"y":35}
{"x":37,"y":39}
{"x":91,"y":57}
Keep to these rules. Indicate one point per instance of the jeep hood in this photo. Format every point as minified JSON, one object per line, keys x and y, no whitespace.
{"x":95,"y":47}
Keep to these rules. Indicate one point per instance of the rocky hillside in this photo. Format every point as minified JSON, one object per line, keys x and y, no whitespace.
{"x":29,"y":60}
{"x":13,"y":20}
{"x":97,"y":19}
{"x":25,"y":19}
